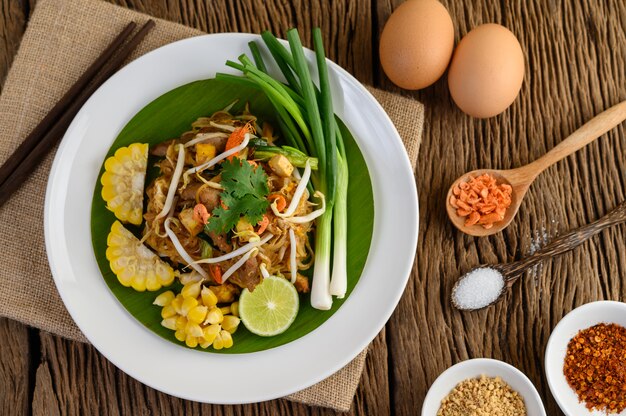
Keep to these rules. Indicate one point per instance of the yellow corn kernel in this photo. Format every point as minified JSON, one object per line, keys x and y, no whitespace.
{"x":214,"y":316}
{"x":204,"y":152}
{"x":191,"y":341}
{"x":164,"y":298}
{"x":170,"y":323}
{"x":218,"y":342}
{"x":225,"y":310}
{"x":210,"y":332}
{"x":230,"y":323}
{"x":203,"y":343}
{"x":208,"y":297}
{"x":181,"y":323}
{"x":180,"y":335}
{"x":234,"y":308}
{"x":197,"y":314}
{"x":187,"y":305}
{"x":227,"y":340}
{"x":194,"y":329}
{"x":168,"y":312}
{"x":191,"y":290}
{"x":177,"y":304}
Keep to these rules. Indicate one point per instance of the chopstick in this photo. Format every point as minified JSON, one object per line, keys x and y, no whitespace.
{"x":51,"y":129}
{"x":38,"y":132}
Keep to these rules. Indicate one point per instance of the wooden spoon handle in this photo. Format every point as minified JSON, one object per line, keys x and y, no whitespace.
{"x":590,"y":131}
{"x":565,"y":243}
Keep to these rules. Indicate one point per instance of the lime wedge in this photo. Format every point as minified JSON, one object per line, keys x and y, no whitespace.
{"x":271,"y":308}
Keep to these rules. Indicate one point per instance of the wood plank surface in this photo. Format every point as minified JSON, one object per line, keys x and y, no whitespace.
{"x":575,"y":64}
{"x":575,"y":67}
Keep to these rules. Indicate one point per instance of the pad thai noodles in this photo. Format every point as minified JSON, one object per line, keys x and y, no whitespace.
{"x":227,"y":209}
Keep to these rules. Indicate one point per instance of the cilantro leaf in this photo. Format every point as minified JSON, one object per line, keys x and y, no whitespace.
{"x":245,"y":194}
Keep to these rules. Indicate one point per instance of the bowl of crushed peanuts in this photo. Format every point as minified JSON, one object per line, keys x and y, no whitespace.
{"x":482,"y":386}
{"x":585,"y":360}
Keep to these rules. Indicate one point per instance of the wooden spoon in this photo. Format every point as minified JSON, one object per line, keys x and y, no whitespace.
{"x":511,"y":272}
{"x":521,"y":178}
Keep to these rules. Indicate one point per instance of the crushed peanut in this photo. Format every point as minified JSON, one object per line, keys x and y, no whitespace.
{"x":482,"y":200}
{"x":484,"y":396}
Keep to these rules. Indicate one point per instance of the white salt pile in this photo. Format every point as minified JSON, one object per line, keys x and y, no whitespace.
{"x":478,"y":288}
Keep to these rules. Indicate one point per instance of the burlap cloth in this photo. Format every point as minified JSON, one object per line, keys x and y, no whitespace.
{"x":63,"y":37}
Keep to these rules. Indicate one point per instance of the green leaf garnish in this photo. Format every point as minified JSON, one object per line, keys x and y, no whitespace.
{"x":245,"y":194}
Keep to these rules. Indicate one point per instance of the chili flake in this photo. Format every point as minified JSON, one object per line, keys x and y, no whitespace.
{"x":595,"y":367}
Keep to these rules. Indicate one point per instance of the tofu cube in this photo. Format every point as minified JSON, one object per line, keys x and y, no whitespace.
{"x":281,"y":166}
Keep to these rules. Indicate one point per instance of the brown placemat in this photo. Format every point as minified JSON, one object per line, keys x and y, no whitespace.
{"x":63,"y":37}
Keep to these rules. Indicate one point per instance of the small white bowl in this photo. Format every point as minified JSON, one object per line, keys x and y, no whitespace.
{"x":580,"y":318}
{"x":476,"y":368}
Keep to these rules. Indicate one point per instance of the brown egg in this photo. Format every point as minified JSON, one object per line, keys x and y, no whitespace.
{"x":416,"y":44}
{"x":487,"y":71}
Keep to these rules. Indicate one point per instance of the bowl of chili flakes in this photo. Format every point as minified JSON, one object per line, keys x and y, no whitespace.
{"x":585,"y":360}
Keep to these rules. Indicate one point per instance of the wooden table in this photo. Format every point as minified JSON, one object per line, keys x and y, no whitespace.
{"x":576,"y":55}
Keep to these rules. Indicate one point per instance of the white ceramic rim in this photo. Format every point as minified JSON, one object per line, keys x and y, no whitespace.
{"x":483,"y":362}
{"x":241,"y":378}
{"x":561,"y":391}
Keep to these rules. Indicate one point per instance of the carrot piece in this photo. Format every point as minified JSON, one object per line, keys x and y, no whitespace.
{"x":263,"y":224}
{"x":216,"y":271}
{"x":281,"y":202}
{"x":200,"y":214}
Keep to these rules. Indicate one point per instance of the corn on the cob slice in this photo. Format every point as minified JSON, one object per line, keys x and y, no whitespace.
{"x":133,"y":263}
{"x":123,"y":182}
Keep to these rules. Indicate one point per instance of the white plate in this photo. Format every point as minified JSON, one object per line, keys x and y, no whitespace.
{"x":580,"y":318}
{"x":219,"y":378}
{"x":477,"y":367}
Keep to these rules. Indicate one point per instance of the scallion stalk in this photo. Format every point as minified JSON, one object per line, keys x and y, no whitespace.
{"x":320,"y":288}
{"x":306,"y":118}
{"x":339,"y":277}
{"x":295,"y":157}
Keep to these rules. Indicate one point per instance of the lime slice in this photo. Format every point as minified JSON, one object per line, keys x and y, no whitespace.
{"x":271,"y":308}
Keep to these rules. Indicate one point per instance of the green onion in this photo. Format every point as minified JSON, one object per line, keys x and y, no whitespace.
{"x":256,"y":55}
{"x":307,"y":121}
{"x":295,"y":157}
